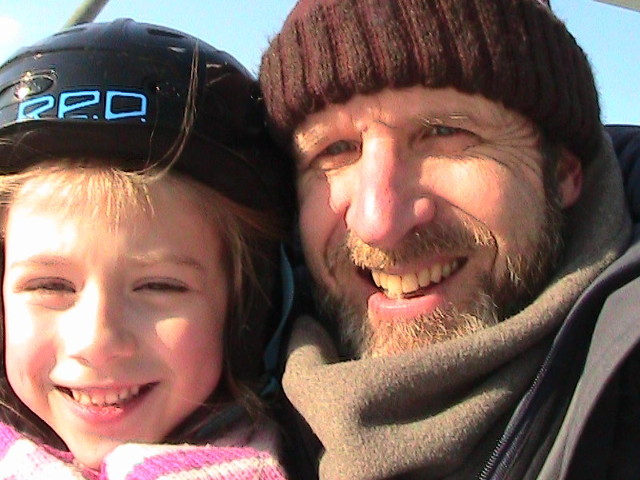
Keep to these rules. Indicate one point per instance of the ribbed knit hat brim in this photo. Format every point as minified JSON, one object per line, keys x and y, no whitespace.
{"x":511,"y":51}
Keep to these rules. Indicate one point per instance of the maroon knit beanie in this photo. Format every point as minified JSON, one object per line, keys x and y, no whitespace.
{"x":511,"y":51}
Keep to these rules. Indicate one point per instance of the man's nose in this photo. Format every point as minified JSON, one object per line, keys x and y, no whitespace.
{"x":96,"y":331}
{"x":387,"y":200}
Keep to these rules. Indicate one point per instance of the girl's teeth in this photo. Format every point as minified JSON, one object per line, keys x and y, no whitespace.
{"x":99,"y":398}
{"x":126,"y":393}
{"x":111,"y":398}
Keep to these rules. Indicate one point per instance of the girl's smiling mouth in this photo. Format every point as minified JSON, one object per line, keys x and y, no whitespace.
{"x":107,"y":397}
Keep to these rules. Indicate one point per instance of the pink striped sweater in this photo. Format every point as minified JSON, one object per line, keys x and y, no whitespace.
{"x":24,"y":459}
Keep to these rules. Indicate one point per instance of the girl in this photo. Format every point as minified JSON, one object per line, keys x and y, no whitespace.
{"x":143,"y":209}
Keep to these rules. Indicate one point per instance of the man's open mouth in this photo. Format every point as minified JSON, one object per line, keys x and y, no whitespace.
{"x":414,"y":284}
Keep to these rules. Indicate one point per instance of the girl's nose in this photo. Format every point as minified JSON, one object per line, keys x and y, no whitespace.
{"x":96,"y":331}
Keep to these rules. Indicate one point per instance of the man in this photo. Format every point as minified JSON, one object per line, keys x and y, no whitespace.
{"x":463,"y":216}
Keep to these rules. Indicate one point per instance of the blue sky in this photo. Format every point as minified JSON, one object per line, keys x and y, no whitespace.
{"x":610,"y":35}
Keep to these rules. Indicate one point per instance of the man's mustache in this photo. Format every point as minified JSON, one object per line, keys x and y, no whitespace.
{"x":436,"y":239}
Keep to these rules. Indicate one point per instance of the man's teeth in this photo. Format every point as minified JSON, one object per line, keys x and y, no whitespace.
{"x":104,"y":398}
{"x":396,"y":286}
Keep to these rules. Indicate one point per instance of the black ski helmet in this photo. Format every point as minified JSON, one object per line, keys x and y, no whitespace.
{"x":126,"y":90}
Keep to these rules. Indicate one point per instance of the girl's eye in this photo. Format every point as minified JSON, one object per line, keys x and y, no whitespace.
{"x":50,"y":286}
{"x":162,"y":286}
{"x":50,"y":293}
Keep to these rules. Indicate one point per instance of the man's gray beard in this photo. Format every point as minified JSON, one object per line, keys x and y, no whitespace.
{"x":358,"y":339}
{"x":496,"y":299}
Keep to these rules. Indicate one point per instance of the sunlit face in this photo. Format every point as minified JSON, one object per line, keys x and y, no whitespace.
{"x":426,"y":214}
{"x":113,"y":330}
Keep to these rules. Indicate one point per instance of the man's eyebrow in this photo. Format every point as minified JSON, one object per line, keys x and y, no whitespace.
{"x":306,"y":140}
{"x":438,"y":118}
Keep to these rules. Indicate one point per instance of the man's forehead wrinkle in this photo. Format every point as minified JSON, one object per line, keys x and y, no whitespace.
{"x":387,"y":124}
{"x":387,"y":118}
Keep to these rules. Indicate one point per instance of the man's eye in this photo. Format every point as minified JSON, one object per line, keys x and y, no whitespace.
{"x":446,"y":140}
{"x":441,"y":131}
{"x":337,"y":155}
{"x":336,"y":148}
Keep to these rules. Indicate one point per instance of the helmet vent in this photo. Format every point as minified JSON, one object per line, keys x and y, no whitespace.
{"x":164,"y":33}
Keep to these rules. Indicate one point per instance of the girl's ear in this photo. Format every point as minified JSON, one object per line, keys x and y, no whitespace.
{"x":569,"y":175}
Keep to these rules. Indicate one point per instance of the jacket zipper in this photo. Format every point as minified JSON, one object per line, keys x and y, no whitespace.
{"x":512,"y":439}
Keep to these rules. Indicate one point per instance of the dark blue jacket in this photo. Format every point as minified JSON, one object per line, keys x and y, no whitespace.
{"x":584,"y":408}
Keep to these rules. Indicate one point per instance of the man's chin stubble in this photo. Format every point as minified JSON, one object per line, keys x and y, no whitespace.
{"x":359,"y":338}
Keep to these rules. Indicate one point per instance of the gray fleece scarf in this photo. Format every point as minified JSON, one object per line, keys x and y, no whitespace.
{"x":438,"y":411}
